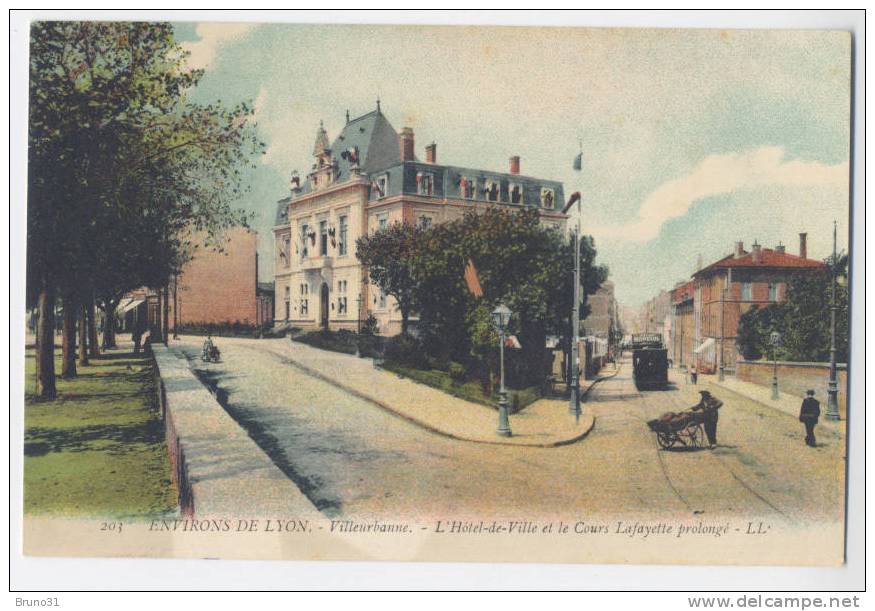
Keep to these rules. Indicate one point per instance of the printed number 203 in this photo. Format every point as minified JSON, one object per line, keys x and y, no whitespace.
{"x":111,"y":526}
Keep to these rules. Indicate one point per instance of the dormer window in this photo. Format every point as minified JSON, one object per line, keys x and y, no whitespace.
{"x":492,"y":191}
{"x":516,"y":194}
{"x":424,"y":183}
{"x":467,"y":187}
{"x":547,"y":198}
{"x":380,"y":186}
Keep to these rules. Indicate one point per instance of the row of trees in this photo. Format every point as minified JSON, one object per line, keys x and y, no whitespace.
{"x":802,"y":319}
{"x":123,"y":171}
{"x":519,"y":263}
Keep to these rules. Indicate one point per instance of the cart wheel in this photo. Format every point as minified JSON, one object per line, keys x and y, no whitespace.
{"x":665,"y":442}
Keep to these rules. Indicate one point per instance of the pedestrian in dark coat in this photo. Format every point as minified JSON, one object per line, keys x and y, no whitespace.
{"x":808,"y":415}
{"x":709,"y":405}
{"x":137,"y":335}
{"x":693,"y":374}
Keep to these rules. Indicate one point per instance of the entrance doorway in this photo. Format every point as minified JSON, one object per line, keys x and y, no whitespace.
{"x":324,"y":304}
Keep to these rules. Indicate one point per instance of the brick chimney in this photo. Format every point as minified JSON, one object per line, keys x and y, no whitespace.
{"x":757,"y":252}
{"x":515,"y":164}
{"x":803,"y":245}
{"x":431,"y":153}
{"x":780,"y":249}
{"x":739,"y":249}
{"x":406,"y":142}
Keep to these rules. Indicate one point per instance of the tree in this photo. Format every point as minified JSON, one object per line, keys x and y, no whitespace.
{"x":803,"y":319}
{"x":388,"y":256}
{"x":520,"y":264}
{"x":122,"y":168}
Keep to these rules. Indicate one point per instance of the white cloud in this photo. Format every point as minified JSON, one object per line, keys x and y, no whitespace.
{"x":721,"y":175}
{"x":212,"y":36}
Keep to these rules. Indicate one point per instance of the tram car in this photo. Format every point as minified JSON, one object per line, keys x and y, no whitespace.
{"x":649,"y":362}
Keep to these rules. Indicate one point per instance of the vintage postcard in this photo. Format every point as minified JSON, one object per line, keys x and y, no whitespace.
{"x":437,"y":293}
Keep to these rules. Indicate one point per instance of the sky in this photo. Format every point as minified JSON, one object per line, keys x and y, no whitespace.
{"x":692,"y":139}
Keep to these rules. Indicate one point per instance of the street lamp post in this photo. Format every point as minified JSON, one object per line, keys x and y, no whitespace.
{"x":832,"y":404}
{"x":574,"y":399}
{"x":358,"y":327}
{"x":501,"y":318}
{"x":774,"y":340}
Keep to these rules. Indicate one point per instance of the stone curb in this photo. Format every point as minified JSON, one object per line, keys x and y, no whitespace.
{"x":432,"y":429}
{"x":192,"y":419}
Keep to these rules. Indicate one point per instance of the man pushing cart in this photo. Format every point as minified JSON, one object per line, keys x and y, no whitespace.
{"x":690,"y":428}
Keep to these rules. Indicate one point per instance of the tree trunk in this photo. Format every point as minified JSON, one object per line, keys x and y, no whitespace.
{"x":68,"y":344}
{"x":93,"y":344}
{"x":45,"y":347}
{"x":165,"y":316}
{"x":405,"y":315}
{"x":83,"y":335}
{"x":176,"y":310}
{"x":109,"y":324}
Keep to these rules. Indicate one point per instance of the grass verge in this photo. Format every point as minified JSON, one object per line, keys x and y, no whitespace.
{"x":470,"y":390}
{"x":98,"y":449}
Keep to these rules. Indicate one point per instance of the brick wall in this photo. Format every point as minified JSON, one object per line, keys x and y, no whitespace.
{"x":796,"y":378}
{"x":219,"y":287}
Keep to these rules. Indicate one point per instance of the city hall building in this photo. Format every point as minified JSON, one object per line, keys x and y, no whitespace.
{"x":366,"y":179}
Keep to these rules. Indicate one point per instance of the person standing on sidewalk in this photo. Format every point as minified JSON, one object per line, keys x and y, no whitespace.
{"x":709,"y":405}
{"x":808,"y":415}
{"x":694,"y":375}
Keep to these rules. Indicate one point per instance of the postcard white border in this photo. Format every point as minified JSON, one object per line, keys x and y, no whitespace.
{"x":76,"y":574}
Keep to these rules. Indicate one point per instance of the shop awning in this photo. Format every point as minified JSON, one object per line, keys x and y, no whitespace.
{"x":129,"y":305}
{"x":708,"y":344}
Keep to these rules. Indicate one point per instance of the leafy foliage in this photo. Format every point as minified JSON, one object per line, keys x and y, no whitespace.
{"x":126,"y":176}
{"x":388,"y":255}
{"x":803,"y":320}
{"x":519,"y":263}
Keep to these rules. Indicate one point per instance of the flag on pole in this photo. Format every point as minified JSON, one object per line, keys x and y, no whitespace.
{"x":473,"y":280}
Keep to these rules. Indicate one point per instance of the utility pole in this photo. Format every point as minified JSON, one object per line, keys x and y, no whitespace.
{"x":832,"y":406}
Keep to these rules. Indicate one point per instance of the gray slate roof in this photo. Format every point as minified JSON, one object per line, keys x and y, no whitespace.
{"x":379,"y":154}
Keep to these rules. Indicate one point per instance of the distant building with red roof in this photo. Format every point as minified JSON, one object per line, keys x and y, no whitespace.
{"x":726,"y":289}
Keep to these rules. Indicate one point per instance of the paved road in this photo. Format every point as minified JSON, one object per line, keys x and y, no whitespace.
{"x":353,"y":459}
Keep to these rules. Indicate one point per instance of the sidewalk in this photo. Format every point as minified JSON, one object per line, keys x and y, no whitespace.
{"x":789,"y":404}
{"x":546,"y":423}
{"x":219,"y":470}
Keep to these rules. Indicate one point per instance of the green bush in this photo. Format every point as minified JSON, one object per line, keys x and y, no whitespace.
{"x":370,"y":326}
{"x":370,"y":346}
{"x":457,"y":372}
{"x":337,"y":341}
{"x":405,"y":350}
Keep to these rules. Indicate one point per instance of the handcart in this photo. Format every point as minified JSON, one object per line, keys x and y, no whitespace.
{"x":679,"y":430}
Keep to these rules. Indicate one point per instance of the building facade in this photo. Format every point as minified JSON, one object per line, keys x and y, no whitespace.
{"x":367,"y":179}
{"x":218,"y":287}
{"x":603,"y":318}
{"x":683,"y":326}
{"x":728,"y":288}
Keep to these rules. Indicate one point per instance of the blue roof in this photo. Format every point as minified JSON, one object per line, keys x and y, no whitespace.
{"x":447,"y":183}
{"x":379,"y":154}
